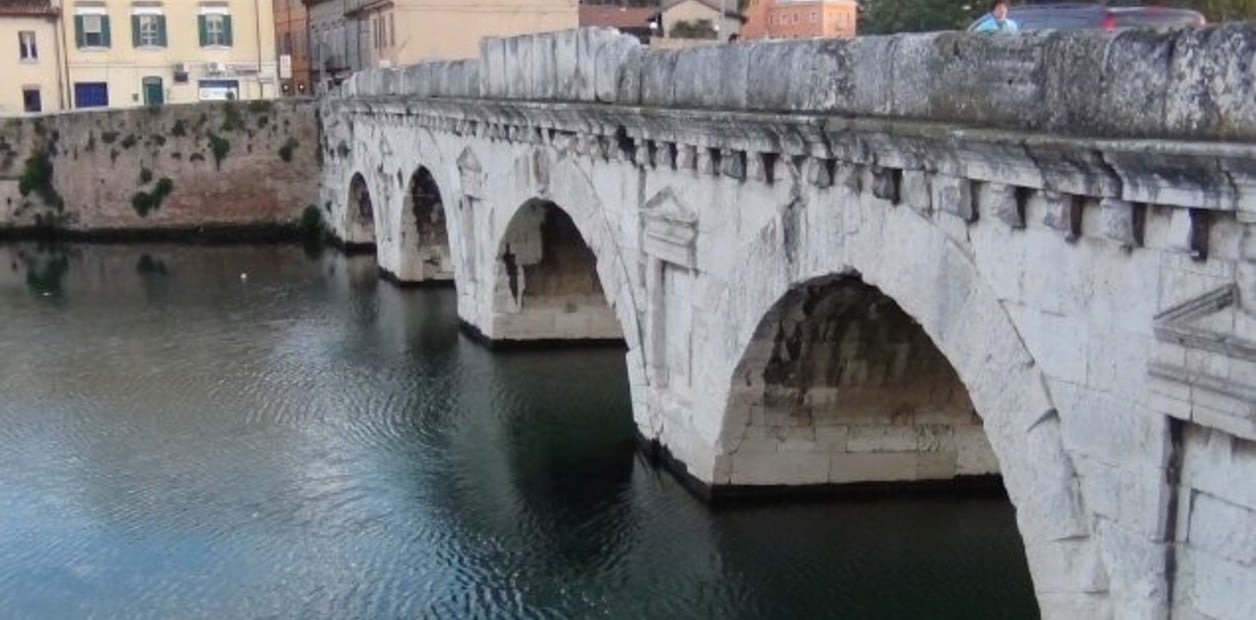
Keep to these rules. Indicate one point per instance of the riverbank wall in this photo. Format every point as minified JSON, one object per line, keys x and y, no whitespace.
{"x":237,"y":168}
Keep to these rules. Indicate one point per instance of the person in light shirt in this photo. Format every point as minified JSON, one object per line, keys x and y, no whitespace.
{"x":996,"y":21}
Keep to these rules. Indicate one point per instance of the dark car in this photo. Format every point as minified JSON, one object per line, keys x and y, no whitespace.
{"x":1075,"y":16}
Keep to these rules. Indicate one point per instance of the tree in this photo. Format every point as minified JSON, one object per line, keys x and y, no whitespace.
{"x":890,"y":16}
{"x":697,"y":29}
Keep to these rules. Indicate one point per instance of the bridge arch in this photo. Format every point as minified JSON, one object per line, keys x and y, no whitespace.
{"x":910,"y":262}
{"x":547,"y":282}
{"x":424,"y":239}
{"x":360,"y":214}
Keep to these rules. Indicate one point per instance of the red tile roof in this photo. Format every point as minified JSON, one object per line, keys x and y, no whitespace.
{"x":26,"y":7}
{"x":610,"y":16}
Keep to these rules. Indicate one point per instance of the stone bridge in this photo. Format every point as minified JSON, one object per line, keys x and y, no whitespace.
{"x":914,"y":259}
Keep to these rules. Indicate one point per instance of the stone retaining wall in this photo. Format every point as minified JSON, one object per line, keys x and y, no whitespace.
{"x":212,"y":165}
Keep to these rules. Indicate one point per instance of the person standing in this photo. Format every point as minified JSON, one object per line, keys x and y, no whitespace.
{"x":997,"y":21}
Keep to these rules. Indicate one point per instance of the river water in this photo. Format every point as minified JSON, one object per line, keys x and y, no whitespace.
{"x":179,"y":441}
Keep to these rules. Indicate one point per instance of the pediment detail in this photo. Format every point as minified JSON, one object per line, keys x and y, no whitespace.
{"x":1205,"y":345}
{"x":671,"y":229}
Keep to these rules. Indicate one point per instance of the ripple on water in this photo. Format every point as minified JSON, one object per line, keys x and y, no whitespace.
{"x":312,"y":443}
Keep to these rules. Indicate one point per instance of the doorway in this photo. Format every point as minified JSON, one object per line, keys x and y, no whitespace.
{"x":154,"y":93}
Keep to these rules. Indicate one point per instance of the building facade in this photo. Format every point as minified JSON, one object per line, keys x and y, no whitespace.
{"x":292,"y":37}
{"x":800,"y":19}
{"x":30,"y":75}
{"x":122,"y":53}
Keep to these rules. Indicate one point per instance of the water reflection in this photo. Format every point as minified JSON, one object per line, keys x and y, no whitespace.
{"x":250,"y":432}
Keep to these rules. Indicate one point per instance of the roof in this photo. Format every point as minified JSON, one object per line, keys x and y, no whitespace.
{"x":611,"y":16}
{"x":26,"y":7}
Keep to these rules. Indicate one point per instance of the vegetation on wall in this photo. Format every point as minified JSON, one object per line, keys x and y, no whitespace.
{"x":285,"y":151}
{"x":220,"y":147}
{"x":37,"y":178}
{"x":179,"y":129}
{"x":696,"y":29}
{"x":145,"y":202}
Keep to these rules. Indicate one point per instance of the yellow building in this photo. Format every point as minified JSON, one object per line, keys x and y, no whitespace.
{"x":122,"y":53}
{"x":403,"y":32}
{"x":30,"y":60}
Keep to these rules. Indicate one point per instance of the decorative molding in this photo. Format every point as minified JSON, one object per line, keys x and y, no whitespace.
{"x":671,"y":229}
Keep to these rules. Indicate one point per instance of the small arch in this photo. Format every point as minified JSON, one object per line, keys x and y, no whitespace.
{"x":361,"y":212}
{"x":547,"y":286}
{"x":839,"y":385}
{"x":424,"y":231}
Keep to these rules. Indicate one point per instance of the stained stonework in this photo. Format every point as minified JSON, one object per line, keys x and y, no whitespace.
{"x":839,"y":385}
{"x":222,"y":165}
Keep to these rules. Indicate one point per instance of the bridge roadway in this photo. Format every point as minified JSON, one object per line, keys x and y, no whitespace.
{"x":913,"y":259}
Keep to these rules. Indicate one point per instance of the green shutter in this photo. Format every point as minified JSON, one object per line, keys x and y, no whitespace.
{"x":161,"y":31}
{"x":78,"y":32}
{"x":226,"y":30}
{"x":203,"y":28}
{"x":105,"y":39}
{"x":135,"y":31}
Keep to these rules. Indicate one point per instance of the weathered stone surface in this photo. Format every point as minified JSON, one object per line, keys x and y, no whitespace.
{"x":1005,"y":146}
{"x":101,"y":162}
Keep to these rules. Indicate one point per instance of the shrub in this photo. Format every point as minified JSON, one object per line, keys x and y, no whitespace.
{"x":142,"y":202}
{"x":109,"y":137}
{"x":129,"y":141}
{"x":220,"y":147}
{"x":179,"y":129}
{"x":285,"y":151}
{"x":37,"y":177}
{"x":146,"y":175}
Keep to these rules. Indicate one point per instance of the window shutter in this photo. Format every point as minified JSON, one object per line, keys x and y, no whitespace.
{"x":161,"y":31}
{"x":135,"y":31}
{"x":79,"y":40}
{"x":203,"y":29}
{"x":226,"y":31}
{"x":106,"y":40}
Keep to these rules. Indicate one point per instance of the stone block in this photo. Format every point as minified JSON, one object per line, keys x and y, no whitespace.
{"x":1208,"y":88}
{"x":658,"y":70}
{"x":545,"y":80}
{"x":570,"y":83}
{"x":882,"y":439}
{"x":872,"y":467}
{"x":935,"y":465}
{"x":711,"y":77}
{"x":492,"y":67}
{"x":767,"y":87}
{"x":1135,"y":69}
{"x":1218,"y":588}
{"x":1062,"y":212}
{"x":916,"y":192}
{"x":1000,"y":200}
{"x":780,"y":468}
{"x":1223,"y":529}
{"x":1121,"y":222}
{"x":1066,"y":566}
{"x":1008,"y":73}
{"x":953,"y":195}
{"x":618,"y":69}
{"x":1073,"y":80}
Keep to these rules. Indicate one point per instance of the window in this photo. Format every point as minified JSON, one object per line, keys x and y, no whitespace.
{"x":26,"y":41}
{"x":91,"y":95}
{"x":392,"y":30}
{"x":285,"y":46}
{"x":91,"y":29}
{"x":30,"y":99}
{"x":814,"y":17}
{"x":148,"y":29}
{"x":215,"y":27}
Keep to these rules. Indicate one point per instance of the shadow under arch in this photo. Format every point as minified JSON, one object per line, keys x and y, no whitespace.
{"x":359,"y":214}
{"x":839,"y":388}
{"x":546,"y":287}
{"x":425,"y":255}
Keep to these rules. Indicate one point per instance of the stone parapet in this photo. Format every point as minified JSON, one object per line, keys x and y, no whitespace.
{"x":1176,"y":84}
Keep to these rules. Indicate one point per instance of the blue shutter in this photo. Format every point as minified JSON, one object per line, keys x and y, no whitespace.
{"x":135,"y":31}
{"x":226,"y":30}
{"x":79,"y":40}
{"x":161,"y":31}
{"x":202,"y":28}
{"x":105,"y":39}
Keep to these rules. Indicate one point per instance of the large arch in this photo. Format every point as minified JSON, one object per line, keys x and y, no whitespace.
{"x":839,"y":386}
{"x":546,"y":284}
{"x":423,"y":242}
{"x":906,"y":257}
{"x":360,"y":213}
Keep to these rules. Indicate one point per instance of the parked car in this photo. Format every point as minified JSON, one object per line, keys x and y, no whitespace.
{"x":1075,"y":16}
